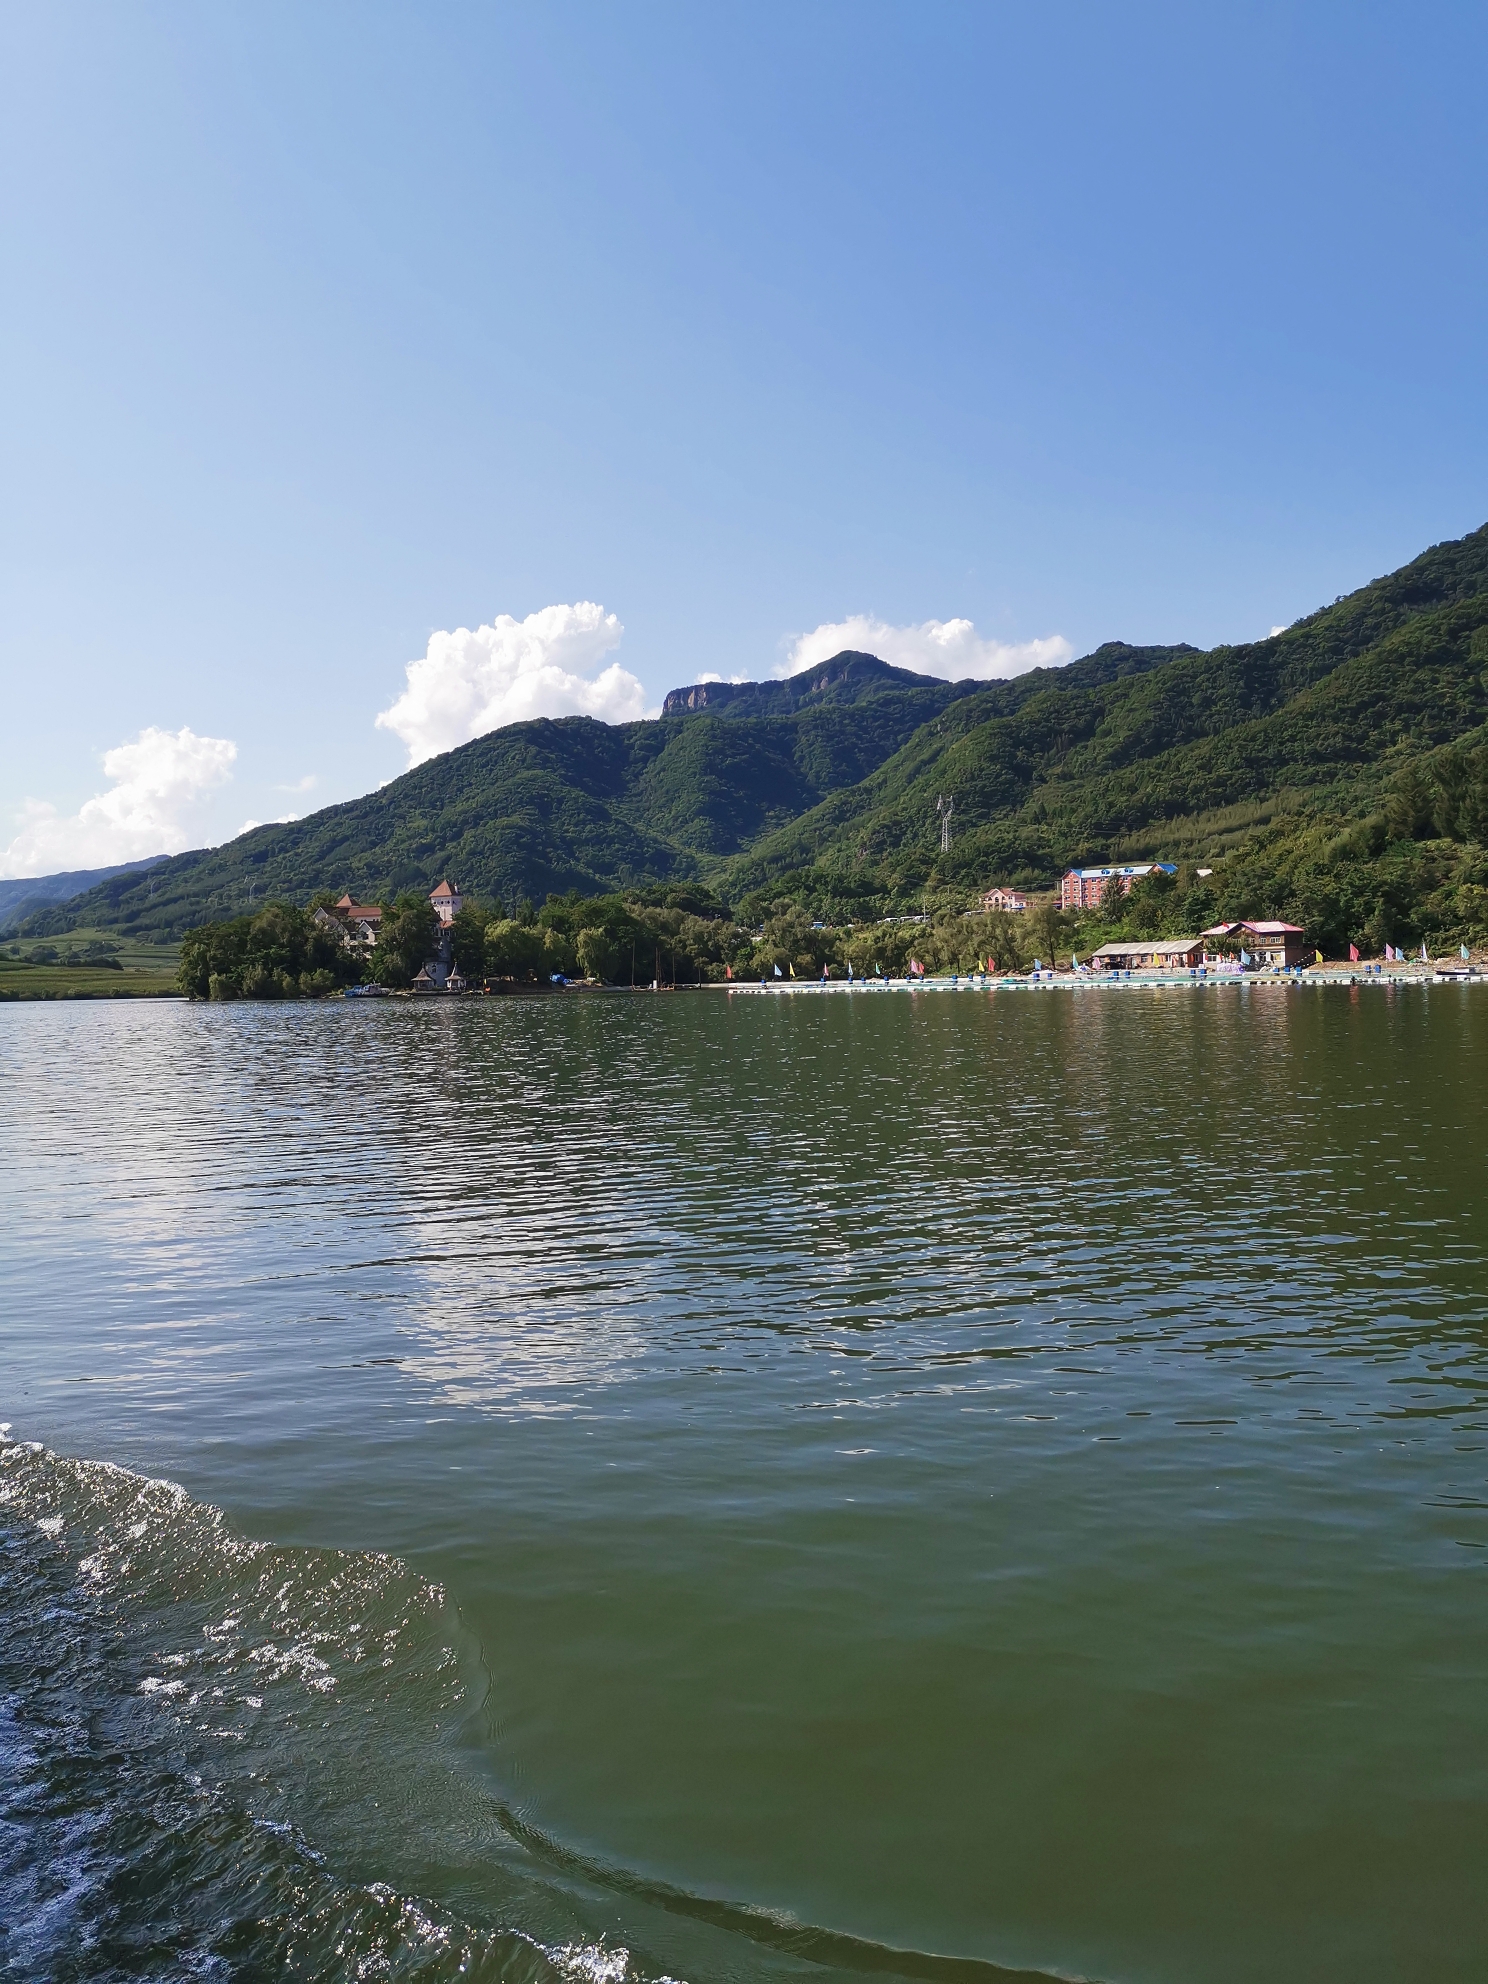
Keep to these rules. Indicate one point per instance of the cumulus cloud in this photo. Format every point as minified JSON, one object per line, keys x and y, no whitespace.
{"x":151,"y":807}
{"x":472,"y":681}
{"x":952,"y":648}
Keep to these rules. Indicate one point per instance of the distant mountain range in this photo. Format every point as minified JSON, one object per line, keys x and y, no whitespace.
{"x":25,"y":896}
{"x":835,"y":773}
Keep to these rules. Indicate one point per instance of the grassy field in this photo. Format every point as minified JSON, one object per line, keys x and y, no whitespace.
{"x":74,"y":967}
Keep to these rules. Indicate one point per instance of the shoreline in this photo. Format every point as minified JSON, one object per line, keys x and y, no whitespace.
{"x":1063,"y":981}
{"x":1066,"y":981}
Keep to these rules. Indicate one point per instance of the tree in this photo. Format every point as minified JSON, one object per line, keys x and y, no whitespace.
{"x":1048,"y":933}
{"x":1410,"y":805}
{"x":407,"y":939}
{"x":557,"y":954}
{"x":281,"y":953}
{"x":598,"y":954}
{"x":788,"y":940}
{"x":513,"y":949}
{"x":468,"y":937}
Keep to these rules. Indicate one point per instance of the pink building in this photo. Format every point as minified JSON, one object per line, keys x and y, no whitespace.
{"x":1005,"y":899}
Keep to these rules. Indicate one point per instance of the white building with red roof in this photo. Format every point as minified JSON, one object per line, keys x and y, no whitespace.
{"x":446,"y":901}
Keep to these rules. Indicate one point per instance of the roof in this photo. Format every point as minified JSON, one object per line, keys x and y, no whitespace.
{"x":1256,"y":929}
{"x":371,"y":909}
{"x":444,"y":889}
{"x":1128,"y":868}
{"x":1149,"y":947}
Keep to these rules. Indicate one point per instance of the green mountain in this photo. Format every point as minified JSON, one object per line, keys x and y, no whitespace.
{"x":826,"y":786}
{"x":1316,"y":717}
{"x":26,"y":895}
{"x":549,"y":806}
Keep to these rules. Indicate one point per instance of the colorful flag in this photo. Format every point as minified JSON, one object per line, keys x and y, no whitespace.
{"x":1463,"y":952}
{"x":1319,"y":956}
{"x":1244,"y":959}
{"x":1353,"y":953}
{"x":991,"y":964}
{"x":1424,"y":958}
{"x":778,"y":972}
{"x":917,"y":970}
{"x":728,"y":971}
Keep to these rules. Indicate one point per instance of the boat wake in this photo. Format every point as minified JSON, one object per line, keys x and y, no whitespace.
{"x":221,"y":1758}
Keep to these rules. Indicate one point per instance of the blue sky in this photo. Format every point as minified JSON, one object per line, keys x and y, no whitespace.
{"x":335,"y":328}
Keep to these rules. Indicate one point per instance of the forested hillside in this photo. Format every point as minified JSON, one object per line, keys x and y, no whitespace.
{"x":1332,"y":772}
{"x":575,"y":804}
{"x":1318,"y":714}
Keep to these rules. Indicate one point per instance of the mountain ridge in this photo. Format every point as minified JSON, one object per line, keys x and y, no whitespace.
{"x":25,"y":894}
{"x":838,"y":770}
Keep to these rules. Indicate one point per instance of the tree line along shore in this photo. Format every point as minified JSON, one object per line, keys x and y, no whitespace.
{"x":671,"y":935}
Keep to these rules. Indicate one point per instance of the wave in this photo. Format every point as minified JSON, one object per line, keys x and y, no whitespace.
{"x":227,"y":1759}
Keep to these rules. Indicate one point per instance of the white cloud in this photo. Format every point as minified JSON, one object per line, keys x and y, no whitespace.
{"x":470,"y":682}
{"x":152,"y":806}
{"x":951,"y":648}
{"x":1278,"y":630}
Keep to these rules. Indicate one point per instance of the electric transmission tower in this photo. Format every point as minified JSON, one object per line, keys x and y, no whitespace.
{"x":945,"y":806}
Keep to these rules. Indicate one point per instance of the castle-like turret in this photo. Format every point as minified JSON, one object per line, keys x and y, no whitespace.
{"x":446,"y":901}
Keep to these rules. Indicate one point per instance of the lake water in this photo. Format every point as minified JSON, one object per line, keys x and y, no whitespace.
{"x":734,"y":1488}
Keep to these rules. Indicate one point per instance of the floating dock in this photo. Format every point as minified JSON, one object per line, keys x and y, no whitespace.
{"x":1107,"y":981}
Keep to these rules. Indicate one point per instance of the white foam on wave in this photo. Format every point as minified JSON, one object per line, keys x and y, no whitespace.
{"x":217,"y":1641}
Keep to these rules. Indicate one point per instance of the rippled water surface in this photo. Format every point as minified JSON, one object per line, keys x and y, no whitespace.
{"x":733,"y":1487}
